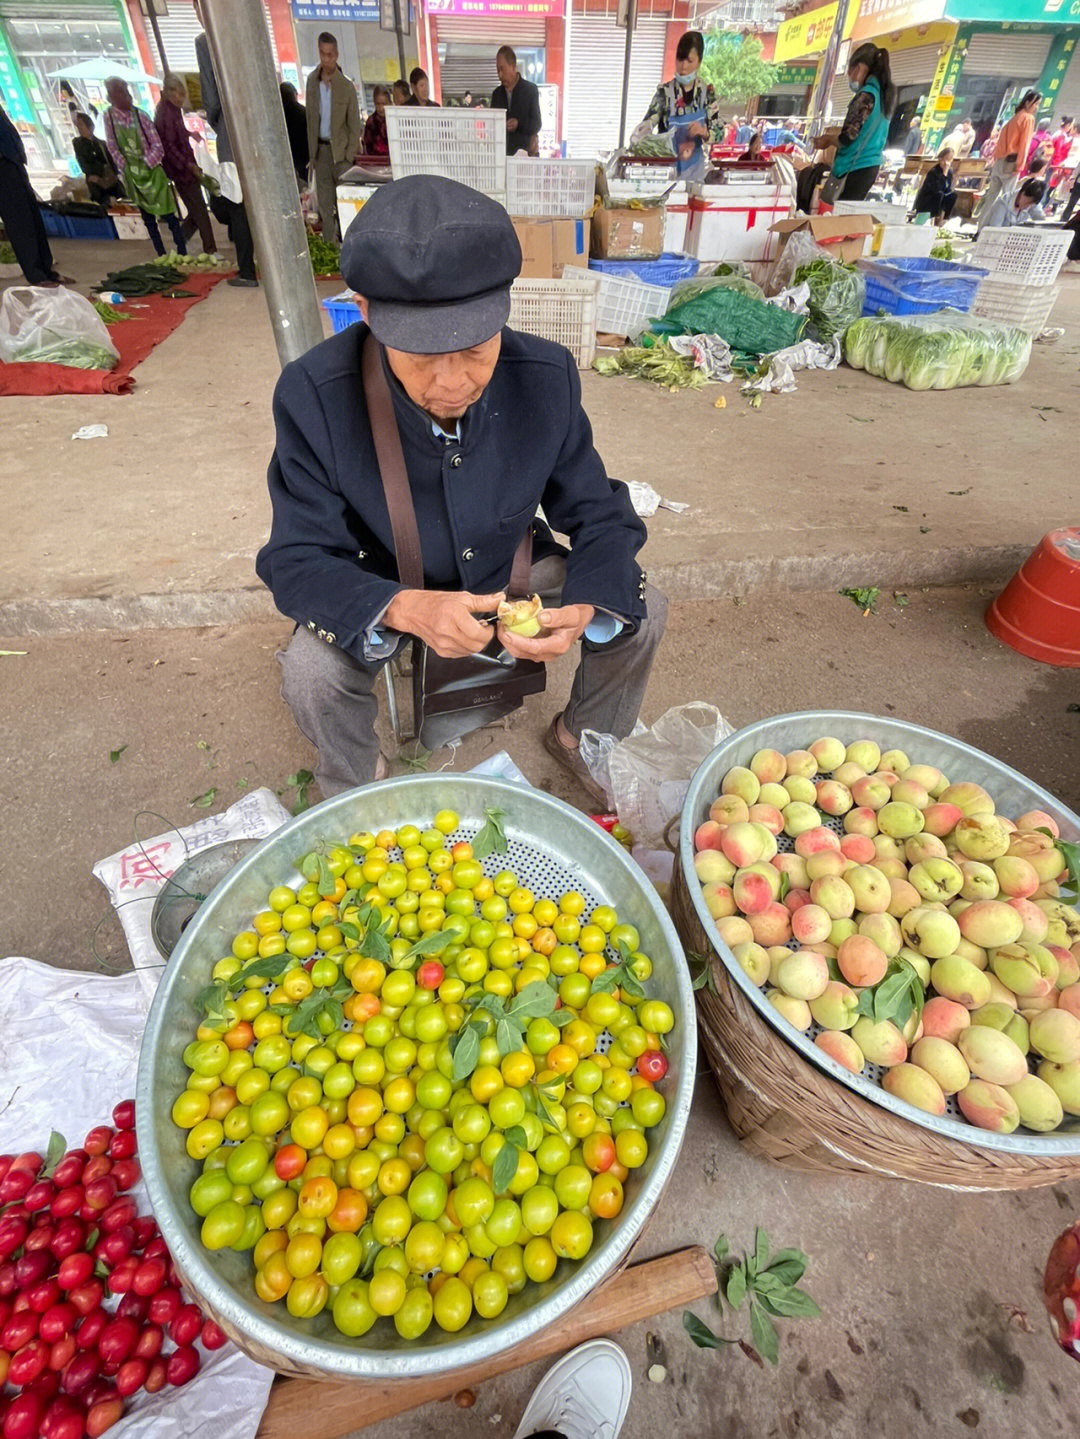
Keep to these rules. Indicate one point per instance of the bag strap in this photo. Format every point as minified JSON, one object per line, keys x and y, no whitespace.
{"x":395,"y":481}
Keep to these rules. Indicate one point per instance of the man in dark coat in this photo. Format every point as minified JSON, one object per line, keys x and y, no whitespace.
{"x":521,"y":100}
{"x":20,"y":212}
{"x":228,"y":212}
{"x":492,"y":427}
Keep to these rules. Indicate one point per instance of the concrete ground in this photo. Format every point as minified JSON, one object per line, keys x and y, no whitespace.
{"x":848,"y":481}
{"x":932,"y":1318}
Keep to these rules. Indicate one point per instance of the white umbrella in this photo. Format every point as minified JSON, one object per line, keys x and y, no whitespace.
{"x":103,"y":69}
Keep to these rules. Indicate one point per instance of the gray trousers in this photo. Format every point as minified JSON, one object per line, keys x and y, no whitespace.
{"x":326,"y":177}
{"x":332,"y":696}
{"x":1001,"y":172}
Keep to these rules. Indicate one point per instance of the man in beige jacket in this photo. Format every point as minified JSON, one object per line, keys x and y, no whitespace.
{"x":333,"y":119}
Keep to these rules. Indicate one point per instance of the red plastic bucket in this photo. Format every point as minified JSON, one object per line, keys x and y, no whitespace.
{"x":1038,"y":611}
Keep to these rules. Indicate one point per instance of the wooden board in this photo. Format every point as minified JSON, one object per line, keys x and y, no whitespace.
{"x":327,"y":1410}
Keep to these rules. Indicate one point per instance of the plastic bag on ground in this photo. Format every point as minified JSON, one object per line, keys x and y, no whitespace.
{"x":942,"y":351}
{"x":41,"y":325}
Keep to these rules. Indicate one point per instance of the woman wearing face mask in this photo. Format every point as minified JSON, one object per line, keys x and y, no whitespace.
{"x":686,"y":109}
{"x":866,"y":126}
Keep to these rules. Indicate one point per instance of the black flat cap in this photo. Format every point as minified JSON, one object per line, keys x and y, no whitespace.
{"x":434,"y":259}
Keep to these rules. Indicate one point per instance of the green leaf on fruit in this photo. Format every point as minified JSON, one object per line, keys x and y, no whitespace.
{"x":491,"y":838}
{"x":375,"y":944}
{"x":785,"y":885}
{"x":211,"y":999}
{"x":700,"y":1333}
{"x":466,"y":1053}
{"x":546,"y":1113}
{"x":309,"y":867}
{"x":1070,"y":852}
{"x":507,"y":1035}
{"x":260,"y":969}
{"x":562,"y":1017}
{"x":866,"y":1003}
{"x":326,"y":881}
{"x":605,"y":982}
{"x":535,"y":1001}
{"x":766,"y":1339}
{"x":348,"y":929}
{"x":505,"y":1166}
{"x":53,"y":1155}
{"x":434,"y":942}
{"x":736,"y":1286}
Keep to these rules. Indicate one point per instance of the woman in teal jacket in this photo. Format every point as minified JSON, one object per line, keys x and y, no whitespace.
{"x":866,"y":124}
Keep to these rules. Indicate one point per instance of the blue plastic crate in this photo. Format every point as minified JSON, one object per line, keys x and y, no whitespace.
{"x":55,"y":225}
{"x":343,"y":313}
{"x":90,"y":227}
{"x":668,"y":270}
{"x":918,"y":285}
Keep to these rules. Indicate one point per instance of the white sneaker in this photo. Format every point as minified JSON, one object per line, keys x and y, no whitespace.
{"x":584,"y":1396}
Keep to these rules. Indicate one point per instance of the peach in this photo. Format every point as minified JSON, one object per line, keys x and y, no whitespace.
{"x":841,"y":1048}
{"x":718,"y":898}
{"x":1068,"y":965}
{"x":937,"y":880}
{"x":795,"y":1011}
{"x":910,"y":791}
{"x":896,"y":760}
{"x":768,"y":815}
{"x":914,"y":1086}
{"x":861,"y":821}
{"x":1016,"y":877}
{"x":982,"y":836}
{"x":1000,"y":993}
{"x":769,"y":766}
{"x":887,"y":776}
{"x":707,"y":835}
{"x":870,"y":888}
{"x":924,"y":846}
{"x":742,"y":843}
{"x":810,"y":925}
{"x":942,"y":1061}
{"x":826,"y":862}
{"x":813,"y":841}
{"x":770,"y":874}
{"x":768,"y":840}
{"x":1029,"y":970}
{"x":1036,"y":922}
{"x":753,"y":960}
{"x":944,"y":1018}
{"x":989,"y":924}
{"x":1040,"y":1108}
{"x":957,"y":979}
{"x":799,"y":817}
{"x":919,"y":963}
{"x":971,"y":798}
{"x":711,"y":866}
{"x":834,"y":896}
{"x":886,"y":847}
{"x":840,"y":930}
{"x":980,"y":881}
{"x":836,"y":1006}
{"x":891,"y":868}
{"x":774,"y":794}
{"x":997,"y":1015}
{"x":859,"y":848}
{"x":800,"y":789}
{"x":802,"y":763}
{"x":882,"y":1043}
{"x":777,"y":953}
{"x":1069,"y":1000}
{"x":733,"y":930}
{"x":933,"y":932}
{"x":828,"y":754}
{"x":988,"y":1106}
{"x":900,"y":820}
{"x":861,"y":961}
{"x":847,"y":773}
{"x":864,"y":752}
{"x":729,"y":809}
{"x":990,"y":1054}
{"x":795,"y":899}
{"x":833,"y":797}
{"x":926,"y":775}
{"x":977,"y":956}
{"x":742,"y":782}
{"x":1055,"y":1034}
{"x":870,"y":793}
{"x":772,"y":926}
{"x":1047,"y":862}
{"x":803,"y":975}
{"x":942,"y":819}
{"x":1064,"y":1080}
{"x":794,"y":866}
{"x":752,"y":892}
{"x":1038,"y":819}
{"x":1064,"y":926}
{"x":884,"y":931}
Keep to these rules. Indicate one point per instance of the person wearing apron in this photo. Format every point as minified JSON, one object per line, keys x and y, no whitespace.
{"x":686,"y":110}
{"x":136,"y":151}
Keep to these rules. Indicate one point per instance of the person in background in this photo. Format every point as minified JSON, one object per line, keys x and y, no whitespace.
{"x":731,"y":131}
{"x":467,"y":100}
{"x":95,"y":163}
{"x":1060,"y":145}
{"x":296,"y":128}
{"x":913,"y":138}
{"x":753,"y":150}
{"x":1040,"y":142}
{"x":961,"y":139}
{"x":421,"y":88}
{"x":178,"y":161}
{"x":375,"y":138}
{"x":20,"y":212}
{"x":1072,"y":176}
{"x":1010,"y":151}
{"x":989,"y":145}
{"x":1018,"y":203}
{"x":521,"y":100}
{"x":866,"y":125}
{"x":333,"y":120}
{"x":936,"y":196}
{"x":686,"y":108}
{"x":400,"y":94}
{"x":136,"y":151}
{"x":229,"y":212}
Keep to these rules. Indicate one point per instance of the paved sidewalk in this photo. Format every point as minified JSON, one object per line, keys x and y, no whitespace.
{"x":848,"y":481}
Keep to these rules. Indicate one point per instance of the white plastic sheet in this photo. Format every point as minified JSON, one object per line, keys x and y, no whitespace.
{"x":71,"y":1050}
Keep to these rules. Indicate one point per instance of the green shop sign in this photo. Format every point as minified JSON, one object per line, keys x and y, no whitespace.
{"x":1016,"y":12}
{"x":796,"y":74}
{"x":11,"y":85}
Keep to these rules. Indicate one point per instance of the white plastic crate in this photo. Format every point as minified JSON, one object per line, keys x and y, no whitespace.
{"x":464,"y":145}
{"x":1022,"y":253}
{"x":550,"y":189}
{"x":351,"y":199}
{"x":559,"y":310}
{"x":129,"y":227}
{"x":883,"y":211}
{"x":1027,"y":306}
{"x":623,"y":307}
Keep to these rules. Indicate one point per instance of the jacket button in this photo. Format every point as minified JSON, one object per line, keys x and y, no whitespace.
{"x":311,"y":624}
{"x":330,"y":637}
{"x":361,"y":554}
{"x":455,"y":463}
{"x":466,"y":554}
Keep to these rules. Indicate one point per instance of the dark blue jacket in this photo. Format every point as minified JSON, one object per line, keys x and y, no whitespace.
{"x":330,"y":562}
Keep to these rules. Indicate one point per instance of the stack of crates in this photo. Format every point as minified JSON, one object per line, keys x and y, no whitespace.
{"x":1023,"y":263}
{"x":464,"y":145}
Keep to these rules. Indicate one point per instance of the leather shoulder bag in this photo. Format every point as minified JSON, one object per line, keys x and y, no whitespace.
{"x":451,"y":697}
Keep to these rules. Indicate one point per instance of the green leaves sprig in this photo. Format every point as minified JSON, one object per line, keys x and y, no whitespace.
{"x":620,"y":975}
{"x":771,"y":1287}
{"x":491,"y":838}
{"x":506,"y":1161}
{"x":897,"y":997}
{"x":511,"y":1017}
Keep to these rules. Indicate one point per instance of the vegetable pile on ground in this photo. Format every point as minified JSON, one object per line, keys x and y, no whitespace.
{"x":416,"y":1086}
{"x":201,"y":262}
{"x":943,"y":351}
{"x":50,"y":348}
{"x":837,"y":295}
{"x":71,"y":1238}
{"x":150,"y":278}
{"x":325,"y":256}
{"x":657,"y":362}
{"x":904,"y":923}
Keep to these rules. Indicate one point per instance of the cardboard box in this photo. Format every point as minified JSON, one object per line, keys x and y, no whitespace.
{"x":548,"y":245}
{"x":628,"y":234}
{"x":844,"y":237}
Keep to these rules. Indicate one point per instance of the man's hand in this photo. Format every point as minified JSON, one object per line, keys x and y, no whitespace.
{"x":443,"y":619}
{"x":686,"y":150}
{"x":562,"y":628}
{"x":511,"y":125}
{"x":698,"y":130}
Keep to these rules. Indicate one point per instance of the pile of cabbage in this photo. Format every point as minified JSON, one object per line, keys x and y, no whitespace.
{"x":942,"y":351}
